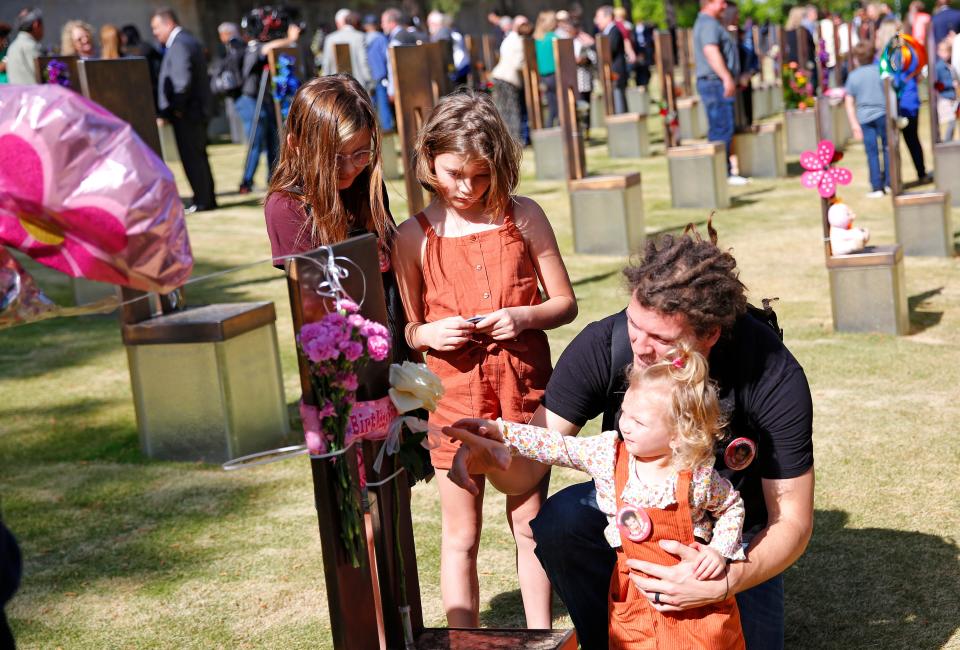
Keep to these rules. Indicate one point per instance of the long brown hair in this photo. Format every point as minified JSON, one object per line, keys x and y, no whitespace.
{"x":468,"y":124}
{"x":326,"y":112}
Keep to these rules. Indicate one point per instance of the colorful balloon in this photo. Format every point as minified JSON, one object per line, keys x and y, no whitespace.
{"x":80,"y":192}
{"x":902,"y":58}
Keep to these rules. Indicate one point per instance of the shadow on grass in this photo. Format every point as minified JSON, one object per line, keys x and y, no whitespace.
{"x":598,"y":277}
{"x":97,"y":522}
{"x":49,"y":345}
{"x":872,"y":588}
{"x":506,"y":610}
{"x":921,"y":319}
{"x":60,"y":439}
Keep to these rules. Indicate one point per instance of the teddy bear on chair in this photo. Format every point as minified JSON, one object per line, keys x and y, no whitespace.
{"x":844,"y":238}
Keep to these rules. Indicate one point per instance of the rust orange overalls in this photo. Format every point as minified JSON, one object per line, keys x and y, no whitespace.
{"x":634,"y":623}
{"x":473,"y":275}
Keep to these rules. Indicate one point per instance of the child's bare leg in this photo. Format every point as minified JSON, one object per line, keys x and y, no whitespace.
{"x":461,"y":519}
{"x":534,"y":584}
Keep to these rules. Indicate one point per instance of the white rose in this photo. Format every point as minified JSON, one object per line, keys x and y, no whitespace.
{"x":413,"y":386}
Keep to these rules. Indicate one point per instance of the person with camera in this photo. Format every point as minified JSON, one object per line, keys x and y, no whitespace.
{"x":260,"y":128}
{"x":225,"y":76}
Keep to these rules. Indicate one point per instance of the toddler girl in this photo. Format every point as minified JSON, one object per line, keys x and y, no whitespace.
{"x":470,"y":268}
{"x":654,"y":481}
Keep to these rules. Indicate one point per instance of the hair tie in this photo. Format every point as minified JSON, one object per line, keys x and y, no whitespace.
{"x":679,"y":362}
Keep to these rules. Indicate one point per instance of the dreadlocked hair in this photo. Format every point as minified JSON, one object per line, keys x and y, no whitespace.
{"x":693,"y":402}
{"x":689,"y":276}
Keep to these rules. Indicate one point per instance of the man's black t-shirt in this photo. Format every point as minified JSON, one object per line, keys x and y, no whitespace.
{"x":763,"y":393}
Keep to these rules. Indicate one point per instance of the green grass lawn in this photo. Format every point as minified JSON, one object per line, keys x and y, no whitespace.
{"x":121,"y":551}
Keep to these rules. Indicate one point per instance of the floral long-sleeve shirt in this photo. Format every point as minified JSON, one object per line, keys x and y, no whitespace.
{"x":716,"y":508}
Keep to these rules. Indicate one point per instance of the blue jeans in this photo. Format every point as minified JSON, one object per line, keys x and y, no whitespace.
{"x":266,"y":140}
{"x":720,"y":112}
{"x":579,"y":562}
{"x":871,"y":131}
{"x":382,"y":103}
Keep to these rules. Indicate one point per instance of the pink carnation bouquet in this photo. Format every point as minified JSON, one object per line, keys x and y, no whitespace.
{"x":336,"y":347}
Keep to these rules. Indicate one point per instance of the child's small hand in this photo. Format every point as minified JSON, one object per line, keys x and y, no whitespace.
{"x":503,"y":324}
{"x":710,"y":564}
{"x":482,"y":438}
{"x":446,"y":334}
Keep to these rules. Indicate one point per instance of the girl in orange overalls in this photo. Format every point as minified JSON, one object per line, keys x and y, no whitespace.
{"x":655,"y":481}
{"x":481,"y":277}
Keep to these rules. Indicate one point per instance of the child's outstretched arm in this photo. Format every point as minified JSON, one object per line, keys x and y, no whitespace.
{"x":444,"y":334}
{"x":590,"y":455}
{"x":560,"y":307}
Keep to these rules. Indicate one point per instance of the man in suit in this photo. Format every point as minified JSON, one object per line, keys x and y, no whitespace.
{"x":603,"y":19}
{"x":184,"y":101}
{"x":348,"y":33}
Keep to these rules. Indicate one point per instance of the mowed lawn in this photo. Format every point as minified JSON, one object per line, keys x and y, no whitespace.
{"x":125,"y":552}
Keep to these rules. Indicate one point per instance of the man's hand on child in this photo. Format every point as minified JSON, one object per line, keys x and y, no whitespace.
{"x":710,"y":564}
{"x":446,"y":334}
{"x":677,"y":585}
{"x":503,"y":324}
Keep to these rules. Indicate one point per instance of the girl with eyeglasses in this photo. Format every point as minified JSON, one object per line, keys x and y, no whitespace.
{"x":328,"y":184}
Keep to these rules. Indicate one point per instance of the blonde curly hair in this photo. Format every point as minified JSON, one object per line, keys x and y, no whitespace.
{"x":694,"y":404}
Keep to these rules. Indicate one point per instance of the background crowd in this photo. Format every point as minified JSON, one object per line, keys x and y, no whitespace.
{"x":726,"y":58}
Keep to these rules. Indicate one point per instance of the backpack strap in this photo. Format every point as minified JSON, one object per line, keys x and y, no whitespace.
{"x":766,"y":315}
{"x":621,"y":355}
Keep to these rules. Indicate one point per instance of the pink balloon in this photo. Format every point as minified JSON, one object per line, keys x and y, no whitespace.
{"x":81,"y":193}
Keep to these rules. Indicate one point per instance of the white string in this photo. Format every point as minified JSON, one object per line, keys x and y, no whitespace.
{"x":328,"y":288}
{"x":386,"y":480}
{"x":276,"y":455}
{"x":264,"y":457}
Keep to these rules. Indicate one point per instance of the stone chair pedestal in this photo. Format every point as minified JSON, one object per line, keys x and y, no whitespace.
{"x":868,"y":292}
{"x":628,"y":136}
{"x":607,"y":213}
{"x":207,"y":383}
{"x":698,"y":176}
{"x":922,"y":222}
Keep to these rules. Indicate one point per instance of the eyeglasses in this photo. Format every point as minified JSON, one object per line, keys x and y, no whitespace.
{"x":358,"y":158}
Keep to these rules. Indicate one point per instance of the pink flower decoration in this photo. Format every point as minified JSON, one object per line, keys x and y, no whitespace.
{"x":311,"y":429}
{"x":347,"y":381}
{"x":74,"y":239}
{"x":352,"y":350}
{"x":378,"y":347}
{"x":820,"y":175}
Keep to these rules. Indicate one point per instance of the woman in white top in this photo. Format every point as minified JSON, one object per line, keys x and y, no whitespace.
{"x":508,"y":78}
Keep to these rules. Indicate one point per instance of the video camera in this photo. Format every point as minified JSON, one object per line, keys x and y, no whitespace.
{"x":268,"y":23}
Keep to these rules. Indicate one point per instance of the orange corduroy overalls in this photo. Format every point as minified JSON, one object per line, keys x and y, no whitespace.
{"x":634,"y":623}
{"x":472,"y":275}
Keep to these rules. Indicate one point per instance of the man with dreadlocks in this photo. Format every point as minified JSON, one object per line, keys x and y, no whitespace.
{"x":683,"y":289}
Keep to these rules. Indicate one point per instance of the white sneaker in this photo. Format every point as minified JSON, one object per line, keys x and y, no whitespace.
{"x":737,"y":180}
{"x":876,"y":194}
